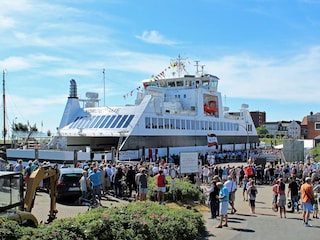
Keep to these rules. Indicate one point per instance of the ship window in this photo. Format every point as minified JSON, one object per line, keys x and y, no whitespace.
{"x":93,"y":122}
{"x":197,"y":125}
{"x":179,"y":83}
{"x":78,"y":122}
{"x":104,"y":121}
{"x":99,"y":122}
{"x":203,"y":127}
{"x":172,"y":124}
{"x":171,"y":84}
{"x":128,"y":121}
{"x":184,"y":95}
{"x":74,"y":123}
{"x":84,"y":122}
{"x":116,"y":121}
{"x":192,"y":108}
{"x":188,"y":124}
{"x":225,"y":126}
{"x":121,"y":121}
{"x":210,"y":125}
{"x":148,"y":123}
{"x":183,"y":124}
{"x":192,"y":125}
{"x":110,"y":121}
{"x":214,"y":126}
{"x":160,"y":121}
{"x":178,"y":123}
{"x":166,"y":123}
{"x":154,"y":123}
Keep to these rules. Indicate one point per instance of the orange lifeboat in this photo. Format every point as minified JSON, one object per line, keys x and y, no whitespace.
{"x":211,"y":107}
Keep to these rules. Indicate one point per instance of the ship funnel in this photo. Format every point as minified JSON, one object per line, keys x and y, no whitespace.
{"x":72,"y":110}
{"x":73,"y":89}
{"x":244,"y":106}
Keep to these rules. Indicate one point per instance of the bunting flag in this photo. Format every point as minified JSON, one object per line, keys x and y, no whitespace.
{"x":162,"y":74}
{"x":130,"y":93}
{"x":212,"y":140}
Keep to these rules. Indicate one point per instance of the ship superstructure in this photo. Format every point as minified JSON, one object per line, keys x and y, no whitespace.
{"x":170,"y":114}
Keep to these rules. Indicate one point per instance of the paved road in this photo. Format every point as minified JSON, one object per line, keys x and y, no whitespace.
{"x":42,"y":205}
{"x":265,"y":224}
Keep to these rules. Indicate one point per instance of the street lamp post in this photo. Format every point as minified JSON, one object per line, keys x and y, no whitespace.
{"x":246,"y":128}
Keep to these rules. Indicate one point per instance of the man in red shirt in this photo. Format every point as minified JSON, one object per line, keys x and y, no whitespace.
{"x":161,"y":186}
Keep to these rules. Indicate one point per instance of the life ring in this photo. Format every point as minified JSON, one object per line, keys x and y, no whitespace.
{"x":211,"y":107}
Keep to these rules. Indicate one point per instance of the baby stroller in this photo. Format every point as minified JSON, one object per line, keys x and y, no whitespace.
{"x":294,"y":204}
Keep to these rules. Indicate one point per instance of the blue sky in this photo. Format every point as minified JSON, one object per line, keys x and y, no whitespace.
{"x":265,"y":52}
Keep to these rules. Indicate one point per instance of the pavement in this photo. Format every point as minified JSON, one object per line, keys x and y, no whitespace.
{"x":264,"y":224}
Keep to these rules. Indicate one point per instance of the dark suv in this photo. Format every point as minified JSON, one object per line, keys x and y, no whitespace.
{"x":68,"y":186}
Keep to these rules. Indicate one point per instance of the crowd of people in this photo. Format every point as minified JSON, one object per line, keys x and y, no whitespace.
{"x":295,"y":186}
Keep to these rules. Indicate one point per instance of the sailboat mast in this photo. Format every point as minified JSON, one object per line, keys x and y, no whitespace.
{"x":4,"y":108}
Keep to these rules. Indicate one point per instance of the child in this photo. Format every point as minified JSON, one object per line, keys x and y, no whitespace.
{"x":245,"y":184}
{"x":315,"y":206}
{"x":252,"y":192}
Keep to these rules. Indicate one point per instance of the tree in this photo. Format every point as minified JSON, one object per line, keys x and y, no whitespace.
{"x":24,"y":127}
{"x":34,"y":128}
{"x":262,"y":131}
{"x":316,"y":153}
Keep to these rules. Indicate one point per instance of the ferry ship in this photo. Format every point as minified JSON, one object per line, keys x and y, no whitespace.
{"x":170,"y":115}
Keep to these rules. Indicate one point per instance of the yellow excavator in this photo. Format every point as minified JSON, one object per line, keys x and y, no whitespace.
{"x":15,"y":205}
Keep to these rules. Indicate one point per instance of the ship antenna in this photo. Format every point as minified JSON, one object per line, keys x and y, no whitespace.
{"x":104,"y":87}
{"x":197,"y":66}
{"x":202,"y":69}
{"x":180,"y":64}
{"x":4,"y":107}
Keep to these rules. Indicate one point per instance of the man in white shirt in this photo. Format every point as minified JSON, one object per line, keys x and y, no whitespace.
{"x":205,"y":174}
{"x":232,"y":188}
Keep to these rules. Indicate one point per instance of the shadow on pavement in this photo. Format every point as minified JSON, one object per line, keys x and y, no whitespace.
{"x":243,"y":230}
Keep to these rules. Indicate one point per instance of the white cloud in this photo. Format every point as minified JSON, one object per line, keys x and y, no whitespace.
{"x":291,"y":79}
{"x":155,"y":37}
{"x":6,"y":22}
{"x":15,"y":63}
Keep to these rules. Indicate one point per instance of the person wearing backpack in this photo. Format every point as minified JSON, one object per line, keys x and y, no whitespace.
{"x":251,"y":195}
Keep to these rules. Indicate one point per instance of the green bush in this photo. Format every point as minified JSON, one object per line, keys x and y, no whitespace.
{"x":182,"y":191}
{"x":139,"y":221}
{"x":9,"y":230}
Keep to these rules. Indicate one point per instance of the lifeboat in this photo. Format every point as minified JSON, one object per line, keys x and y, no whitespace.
{"x":211,"y":107}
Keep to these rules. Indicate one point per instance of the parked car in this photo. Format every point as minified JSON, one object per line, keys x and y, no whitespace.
{"x":68,"y":186}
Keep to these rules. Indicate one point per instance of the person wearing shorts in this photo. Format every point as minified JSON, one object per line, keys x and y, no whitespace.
{"x":307,"y":196}
{"x":161,"y":186}
{"x":224,"y":202}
